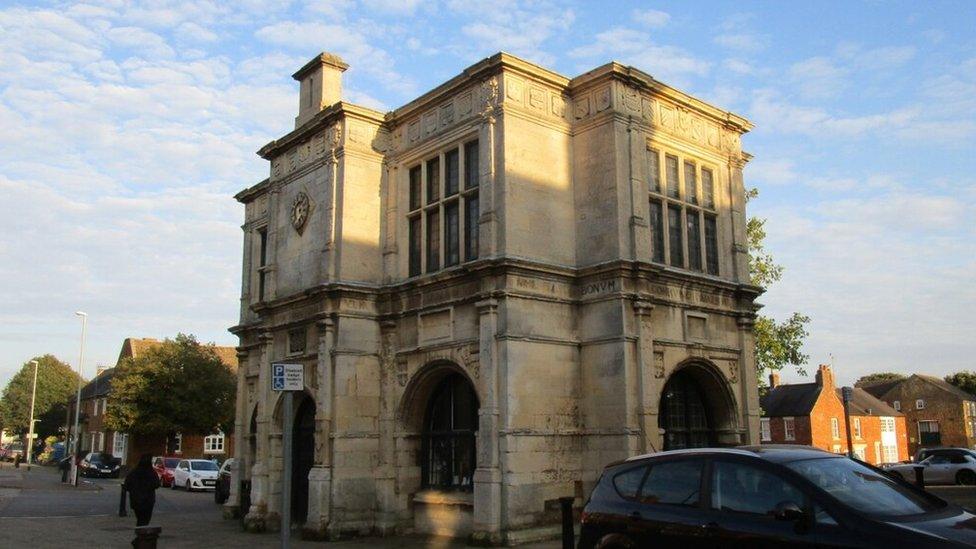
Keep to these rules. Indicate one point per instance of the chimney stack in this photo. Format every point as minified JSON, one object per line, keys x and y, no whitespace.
{"x":825,"y":377}
{"x":320,"y":85}
{"x":773,"y":380}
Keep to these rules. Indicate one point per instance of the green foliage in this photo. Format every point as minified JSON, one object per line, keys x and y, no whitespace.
{"x":56,"y":383}
{"x":965,"y":380}
{"x":777,"y":343}
{"x":179,"y":386}
{"x":879,"y":376}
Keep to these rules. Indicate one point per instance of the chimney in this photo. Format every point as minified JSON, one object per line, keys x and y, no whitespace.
{"x":321,"y":85}
{"x":774,"y":380}
{"x":825,"y":377}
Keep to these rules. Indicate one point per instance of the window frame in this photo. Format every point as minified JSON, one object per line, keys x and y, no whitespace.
{"x":835,"y":428}
{"x":789,"y":428}
{"x":458,"y":243}
{"x":919,"y":403}
{"x":671,"y":190}
{"x":210,"y":441}
{"x":857,"y":428}
{"x":806,"y":504}
{"x":765,"y":430}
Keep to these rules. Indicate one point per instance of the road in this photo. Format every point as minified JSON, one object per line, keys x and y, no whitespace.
{"x":37,"y":511}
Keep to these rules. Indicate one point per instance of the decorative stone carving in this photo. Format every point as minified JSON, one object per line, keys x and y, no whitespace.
{"x":537,"y":98}
{"x":300,"y":209}
{"x":558,"y":105}
{"x":513,"y":89}
{"x":470,"y":361}
{"x":733,"y":370}
{"x":603,"y":99}
{"x":447,"y":114}
{"x":489,"y":99}
{"x":401,"y":372}
{"x":659,"y":365}
{"x":464,"y":104}
{"x":581,"y":109}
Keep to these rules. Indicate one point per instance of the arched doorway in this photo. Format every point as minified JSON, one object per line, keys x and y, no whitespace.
{"x":303,"y":456}
{"x":448,"y":437}
{"x":696,"y":408}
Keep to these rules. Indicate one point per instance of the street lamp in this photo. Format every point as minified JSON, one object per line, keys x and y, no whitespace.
{"x":30,"y":431}
{"x":81,"y":360}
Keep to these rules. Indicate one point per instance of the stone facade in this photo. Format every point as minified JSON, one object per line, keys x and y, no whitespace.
{"x":539,"y":281}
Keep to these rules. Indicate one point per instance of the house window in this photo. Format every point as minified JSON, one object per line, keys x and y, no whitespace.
{"x":890,"y":453}
{"x":836,"y":449}
{"x":765,"y":434}
{"x":789,"y":428}
{"x":119,"y":441}
{"x":214,"y":444}
{"x":262,"y":263}
{"x":887,"y":425}
{"x":929,"y":433}
{"x":834,"y":427}
{"x":177,"y":443}
{"x":920,"y":404}
{"x":297,"y":339}
{"x":691,"y":224}
{"x":896,"y":405}
{"x":857,"y":427}
{"x":442,"y":224}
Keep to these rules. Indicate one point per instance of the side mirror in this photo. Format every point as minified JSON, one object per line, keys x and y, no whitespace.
{"x":788,"y":511}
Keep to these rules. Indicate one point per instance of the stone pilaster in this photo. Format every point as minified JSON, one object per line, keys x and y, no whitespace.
{"x":748,"y":380}
{"x":488,"y":476}
{"x":256,"y":519}
{"x":739,"y":240}
{"x":488,"y":241}
{"x":386,"y":518}
{"x":646,"y":372}
{"x":232,"y":506}
{"x":320,"y":477}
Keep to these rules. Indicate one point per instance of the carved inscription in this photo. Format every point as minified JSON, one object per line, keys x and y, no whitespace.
{"x":601,"y":287}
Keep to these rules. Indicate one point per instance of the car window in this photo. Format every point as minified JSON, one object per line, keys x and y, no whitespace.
{"x":674,"y":482}
{"x":743,"y":488}
{"x":937,"y":460}
{"x":862,"y":488}
{"x":821,"y":516}
{"x":171,"y":463}
{"x":203,"y":466}
{"x":629,"y":481}
{"x":184,"y":465}
{"x":958,"y":458}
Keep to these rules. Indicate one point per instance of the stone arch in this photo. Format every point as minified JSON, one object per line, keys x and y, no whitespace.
{"x":413,"y":404}
{"x":697,"y":388}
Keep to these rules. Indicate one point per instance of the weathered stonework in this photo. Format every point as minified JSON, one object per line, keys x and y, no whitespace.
{"x":565,"y":325}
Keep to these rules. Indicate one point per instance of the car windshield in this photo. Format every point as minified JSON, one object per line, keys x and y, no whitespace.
{"x":862,"y":488}
{"x":203,"y":466}
{"x":170,"y":463}
{"x":100,"y":458}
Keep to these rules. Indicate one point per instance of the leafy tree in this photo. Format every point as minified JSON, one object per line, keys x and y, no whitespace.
{"x":179,"y":386}
{"x":879,"y":376}
{"x":777,"y":343}
{"x":56,"y":384}
{"x":965,"y":380}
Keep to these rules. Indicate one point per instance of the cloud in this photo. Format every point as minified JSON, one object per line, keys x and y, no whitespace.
{"x":653,"y":19}
{"x":633,"y":47}
{"x":742,"y":41}
{"x":511,"y":26}
{"x":776,"y":114}
{"x":818,"y":77}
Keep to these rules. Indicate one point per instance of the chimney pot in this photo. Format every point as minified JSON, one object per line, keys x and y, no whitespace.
{"x":825,"y":376}
{"x":774,"y":379}
{"x":320,"y":85}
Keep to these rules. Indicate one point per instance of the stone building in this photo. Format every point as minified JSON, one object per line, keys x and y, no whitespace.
{"x":495,"y":290}
{"x":938,"y":413}
{"x":813,"y":414}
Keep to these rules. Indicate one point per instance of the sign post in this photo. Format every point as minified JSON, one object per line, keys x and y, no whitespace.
{"x":286,"y":378}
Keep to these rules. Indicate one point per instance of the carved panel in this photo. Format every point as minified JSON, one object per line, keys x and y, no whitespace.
{"x":603,"y":99}
{"x":464,"y":104}
{"x":514,"y":89}
{"x":558,"y":105}
{"x":537,"y":98}
{"x":581,"y":108}
{"x":447,"y":114}
{"x":429,"y":123}
{"x":659,"y":365}
{"x":413,"y":131}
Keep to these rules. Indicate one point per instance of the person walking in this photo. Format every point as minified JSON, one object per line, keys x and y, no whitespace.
{"x":141,"y":484}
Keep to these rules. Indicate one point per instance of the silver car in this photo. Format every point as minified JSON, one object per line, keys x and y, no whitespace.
{"x":957,"y":468}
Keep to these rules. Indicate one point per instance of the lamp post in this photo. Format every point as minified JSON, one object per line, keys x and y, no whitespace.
{"x":81,"y":360}
{"x":30,"y":428}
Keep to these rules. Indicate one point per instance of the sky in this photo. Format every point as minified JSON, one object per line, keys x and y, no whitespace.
{"x":127,"y":127}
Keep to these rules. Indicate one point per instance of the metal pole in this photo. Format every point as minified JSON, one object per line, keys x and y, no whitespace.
{"x":30,"y":431}
{"x":81,"y":361}
{"x":846,"y":392}
{"x":287,"y":421}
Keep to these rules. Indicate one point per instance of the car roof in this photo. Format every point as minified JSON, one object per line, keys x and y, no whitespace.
{"x":777,"y":453}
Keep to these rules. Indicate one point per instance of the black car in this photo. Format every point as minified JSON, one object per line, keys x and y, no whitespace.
{"x":764,"y":496}
{"x":222,"y":488}
{"x":99,"y":464}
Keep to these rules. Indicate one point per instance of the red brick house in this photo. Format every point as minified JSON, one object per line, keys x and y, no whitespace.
{"x":96,"y":437}
{"x":937,"y":412}
{"x":813,"y":414}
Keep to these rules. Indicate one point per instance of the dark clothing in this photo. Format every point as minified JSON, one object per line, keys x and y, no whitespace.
{"x":143,"y":516}
{"x":141,"y":484}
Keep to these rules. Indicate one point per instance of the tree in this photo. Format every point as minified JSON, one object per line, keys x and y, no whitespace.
{"x":965,"y":380}
{"x":179,"y":386}
{"x":879,"y":376}
{"x":777,"y":343}
{"x":56,"y":384}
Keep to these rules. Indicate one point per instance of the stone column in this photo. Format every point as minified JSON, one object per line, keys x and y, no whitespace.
{"x":640,"y":238}
{"x":739,"y":240}
{"x":749,"y":411}
{"x":232,"y":506}
{"x":390,"y":220}
{"x":488,"y":476}
{"x":320,"y":476}
{"x":256,"y":519}
{"x":488,"y":230}
{"x":386,"y":472}
{"x":646,"y":374}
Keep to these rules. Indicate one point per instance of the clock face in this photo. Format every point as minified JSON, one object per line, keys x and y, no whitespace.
{"x":299,"y":211}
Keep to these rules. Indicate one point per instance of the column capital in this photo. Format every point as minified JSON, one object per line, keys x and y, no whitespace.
{"x":325,"y":323}
{"x":266,"y":336}
{"x":485,"y":306}
{"x":642,"y":307}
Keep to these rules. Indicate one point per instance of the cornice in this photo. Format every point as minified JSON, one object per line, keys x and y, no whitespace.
{"x":323,"y":119}
{"x":249,"y":193}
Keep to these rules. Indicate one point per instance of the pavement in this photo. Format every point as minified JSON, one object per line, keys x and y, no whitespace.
{"x":37,"y":511}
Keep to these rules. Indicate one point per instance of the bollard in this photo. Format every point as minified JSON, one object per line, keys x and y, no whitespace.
{"x":146,"y":537}
{"x":122,"y":511}
{"x":566,"y":506}
{"x":919,"y":476}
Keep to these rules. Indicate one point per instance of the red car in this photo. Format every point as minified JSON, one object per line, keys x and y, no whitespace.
{"x":164,"y":466}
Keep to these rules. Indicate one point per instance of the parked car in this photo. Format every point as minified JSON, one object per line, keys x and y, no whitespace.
{"x":939,"y":468}
{"x":100,"y":464}
{"x":222,"y":489}
{"x":195,"y":474}
{"x":164,"y":466}
{"x":764,"y":496}
{"x":12,"y":450}
{"x":923,"y":453}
